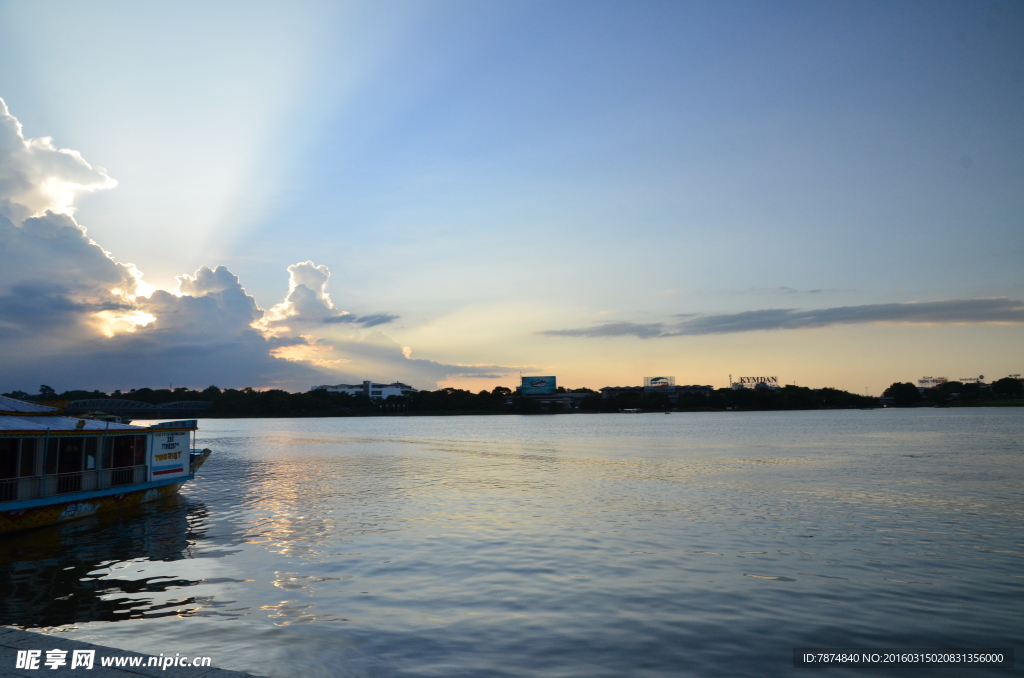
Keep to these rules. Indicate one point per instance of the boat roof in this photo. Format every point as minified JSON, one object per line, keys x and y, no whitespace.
{"x":23,"y":407}
{"x":39,"y":425}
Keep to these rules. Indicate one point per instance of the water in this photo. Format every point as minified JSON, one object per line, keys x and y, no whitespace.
{"x":575,"y":545}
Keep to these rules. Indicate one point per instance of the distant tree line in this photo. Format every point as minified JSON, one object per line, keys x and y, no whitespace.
{"x":905,"y":394}
{"x":250,"y":402}
{"x":785,"y":398}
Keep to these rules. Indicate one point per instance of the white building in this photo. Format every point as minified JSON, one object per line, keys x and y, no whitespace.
{"x":370,"y":389}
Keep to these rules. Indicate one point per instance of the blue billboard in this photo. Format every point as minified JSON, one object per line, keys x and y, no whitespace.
{"x":659,"y":384}
{"x":538,"y":386}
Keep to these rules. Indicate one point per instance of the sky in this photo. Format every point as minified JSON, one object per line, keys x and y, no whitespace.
{"x":454,"y":193}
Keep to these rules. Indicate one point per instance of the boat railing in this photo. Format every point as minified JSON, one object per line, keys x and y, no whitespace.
{"x":126,"y":475}
{"x":64,"y":483}
{"x":9,"y":489}
{"x":35,"y":487}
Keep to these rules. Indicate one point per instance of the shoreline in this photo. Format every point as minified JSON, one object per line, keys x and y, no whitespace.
{"x":480,"y":413}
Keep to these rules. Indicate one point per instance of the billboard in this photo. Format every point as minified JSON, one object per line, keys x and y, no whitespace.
{"x":538,"y":386}
{"x":170,"y":454}
{"x":170,"y":449}
{"x":757,"y":382}
{"x":659,"y":384}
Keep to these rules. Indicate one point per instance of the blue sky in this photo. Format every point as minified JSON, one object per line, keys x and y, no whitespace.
{"x":493,"y":172}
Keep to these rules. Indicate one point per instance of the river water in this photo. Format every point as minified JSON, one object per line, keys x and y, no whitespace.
{"x":554,"y":546}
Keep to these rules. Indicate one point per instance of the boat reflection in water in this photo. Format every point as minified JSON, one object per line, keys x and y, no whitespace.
{"x":69,"y":573}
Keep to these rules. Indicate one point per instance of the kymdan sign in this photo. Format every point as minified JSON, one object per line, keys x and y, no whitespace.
{"x":754,"y":381}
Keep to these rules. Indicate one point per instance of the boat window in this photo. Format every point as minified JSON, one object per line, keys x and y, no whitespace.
{"x":108,"y":451}
{"x":91,"y":448}
{"x":28,"y":456}
{"x":50,"y":456}
{"x":9,"y":457}
{"x":140,"y":450}
{"x":128,"y":451}
{"x":71,"y":455}
{"x":64,"y":455}
{"x":124,"y":451}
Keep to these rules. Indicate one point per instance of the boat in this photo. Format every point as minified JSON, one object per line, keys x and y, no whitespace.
{"x":105,"y":416}
{"x":55,"y":468}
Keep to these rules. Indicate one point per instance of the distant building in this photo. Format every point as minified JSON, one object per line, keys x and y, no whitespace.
{"x":673,"y":393}
{"x":567,"y":399}
{"x":371,"y":390}
{"x":615,"y":391}
{"x":705,"y":390}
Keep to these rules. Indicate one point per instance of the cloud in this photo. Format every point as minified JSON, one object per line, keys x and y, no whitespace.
{"x":74,"y":317}
{"x":992,"y":310}
{"x":37,"y":177}
{"x":616,"y":329}
{"x":377,"y":354}
{"x":364,"y":320}
{"x":75,"y":325}
{"x":211,"y":296}
{"x":53,"y":278}
{"x":309,"y":304}
{"x":343,"y":341}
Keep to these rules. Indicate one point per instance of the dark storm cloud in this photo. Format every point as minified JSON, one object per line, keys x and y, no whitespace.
{"x":993,"y":310}
{"x":144,"y":359}
{"x":41,"y":305}
{"x":197,"y":339}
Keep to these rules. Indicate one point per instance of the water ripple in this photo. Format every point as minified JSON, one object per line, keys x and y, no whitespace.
{"x":574,"y":545}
